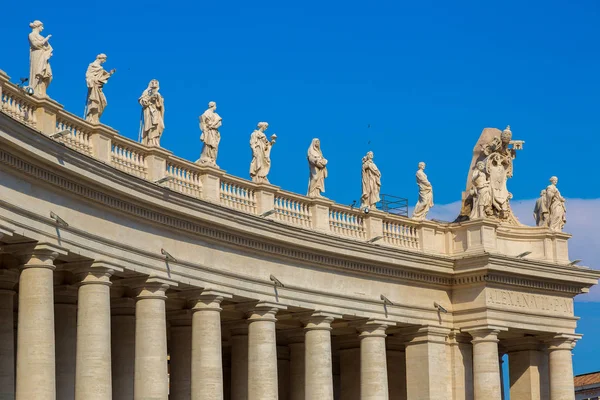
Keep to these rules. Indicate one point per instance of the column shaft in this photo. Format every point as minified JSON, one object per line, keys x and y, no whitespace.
{"x":373,"y":365}
{"x":561,"y":369}
{"x":36,"y":363}
{"x":151,"y":371}
{"x":180,"y":378}
{"x":318,"y":363}
{"x":93,"y":379}
{"x":207,"y":353}
{"x":7,"y":343}
{"x":262,"y":353}
{"x":239,"y":365}
{"x":486,"y":369}
{"x":297,"y":367}
{"x":123,"y":350}
{"x":527,"y":368}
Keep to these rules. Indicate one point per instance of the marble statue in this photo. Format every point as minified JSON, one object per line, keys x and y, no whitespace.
{"x":540,"y":210}
{"x":96,"y":77}
{"x":481,"y":192}
{"x":371,"y":182}
{"x":153,"y":110}
{"x":496,"y":150}
{"x":40,"y":51}
{"x":210,"y":122}
{"x":261,"y":153}
{"x":557,"y":212}
{"x":425,"y":194}
{"x":317,"y":166}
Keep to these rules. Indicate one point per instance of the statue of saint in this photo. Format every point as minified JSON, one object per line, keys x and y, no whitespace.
{"x":96,"y":77}
{"x":425,"y":194}
{"x":210,"y":122}
{"x":317,"y":166}
{"x":482,"y":196}
{"x":261,"y":153}
{"x":371,"y":182}
{"x":40,"y":51}
{"x":540,"y":210}
{"x":153,"y":107}
{"x":557,"y":212}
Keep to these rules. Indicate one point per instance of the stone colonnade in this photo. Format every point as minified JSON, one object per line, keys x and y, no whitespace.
{"x":83,"y":344}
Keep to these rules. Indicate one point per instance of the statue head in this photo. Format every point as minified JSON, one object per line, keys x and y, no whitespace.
{"x":316,"y":143}
{"x":554,"y":180}
{"x":212,"y":104}
{"x":543,"y":193}
{"x":506,"y":135}
{"x":154,"y":84}
{"x":262,"y":126}
{"x":101,"y":58}
{"x":480,"y":165}
{"x":37,"y":25}
{"x":370,"y":155}
{"x":421,"y":165}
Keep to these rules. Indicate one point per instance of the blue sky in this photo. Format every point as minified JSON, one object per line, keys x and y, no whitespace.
{"x":426,"y":77}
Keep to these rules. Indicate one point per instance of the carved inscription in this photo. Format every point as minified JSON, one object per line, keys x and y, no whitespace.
{"x":527,"y":301}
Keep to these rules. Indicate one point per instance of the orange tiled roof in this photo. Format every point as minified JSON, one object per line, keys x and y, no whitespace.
{"x":587,"y":379}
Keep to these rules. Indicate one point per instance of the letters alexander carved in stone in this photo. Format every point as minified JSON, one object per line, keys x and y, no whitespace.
{"x":529,"y":301}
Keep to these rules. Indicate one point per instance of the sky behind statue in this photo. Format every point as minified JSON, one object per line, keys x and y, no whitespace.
{"x":410,"y":81}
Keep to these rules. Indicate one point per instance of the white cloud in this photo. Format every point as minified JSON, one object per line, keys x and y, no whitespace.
{"x":583,"y":222}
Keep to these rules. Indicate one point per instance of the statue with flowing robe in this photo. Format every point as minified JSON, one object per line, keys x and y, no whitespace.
{"x":153,"y":111}
{"x":317,"y":166}
{"x":371,"y":182}
{"x":540,"y":210}
{"x":210,"y":122}
{"x":557,"y":212}
{"x":40,"y":51}
{"x":481,"y":193}
{"x":425,"y":194}
{"x":261,"y":153}
{"x":96,"y":77}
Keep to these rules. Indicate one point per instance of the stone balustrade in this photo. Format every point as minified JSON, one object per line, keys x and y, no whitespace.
{"x":322,"y":215}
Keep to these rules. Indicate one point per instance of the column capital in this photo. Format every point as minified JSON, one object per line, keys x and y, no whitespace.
{"x":209,"y":300}
{"x":486,"y":333}
{"x":319,"y":320}
{"x":40,"y":255}
{"x":151,"y":287}
{"x":526,"y":343}
{"x":425,"y":334}
{"x":374,"y":328}
{"x":8,"y":279}
{"x":563,"y":341}
{"x":265,"y":311}
{"x":93,"y":272}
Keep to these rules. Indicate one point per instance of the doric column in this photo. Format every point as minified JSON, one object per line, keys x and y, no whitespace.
{"x":461,"y":365}
{"x":93,"y":367}
{"x":318,"y":362}
{"x":283,"y":372}
{"x":297,"y":367}
{"x":561,"y":367}
{"x":207,"y":356}
{"x":8,"y":280}
{"x":180,"y":353}
{"x":65,"y":325}
{"x":36,"y":363}
{"x":373,"y":361}
{"x":486,"y":368}
{"x":151,"y":371}
{"x":262,"y":352}
{"x":122,"y":327}
{"x":239,"y":362}
{"x":350,"y":371}
{"x":427,"y":374}
{"x":396,"y":366}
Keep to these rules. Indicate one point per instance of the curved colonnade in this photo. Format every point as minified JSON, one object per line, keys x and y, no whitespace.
{"x":207,"y":286}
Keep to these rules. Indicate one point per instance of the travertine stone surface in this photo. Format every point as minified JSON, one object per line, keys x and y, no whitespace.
{"x":262,"y":352}
{"x":8,"y":279}
{"x":122,"y":326}
{"x":151,"y":374}
{"x":373,"y":361}
{"x":350,"y":373}
{"x":283,"y":372}
{"x":93,"y":380}
{"x":297,"y":371}
{"x":396,"y":366}
{"x":239,"y":363}
{"x":36,"y":366}
{"x":65,"y":325}
{"x":486,"y":370}
{"x":207,"y":362}
{"x":180,"y":378}
{"x":318,"y":363}
{"x":561,"y":367}
{"x":461,"y":365}
{"x":528,"y":369}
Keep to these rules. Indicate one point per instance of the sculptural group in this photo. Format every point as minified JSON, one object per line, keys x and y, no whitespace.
{"x":487,"y":194}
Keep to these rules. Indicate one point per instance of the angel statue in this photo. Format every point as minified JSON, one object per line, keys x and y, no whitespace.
{"x":317,"y":165}
{"x":261,"y":153}
{"x":153,"y":112}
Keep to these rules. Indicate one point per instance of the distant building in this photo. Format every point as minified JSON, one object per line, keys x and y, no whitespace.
{"x":587,"y":386}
